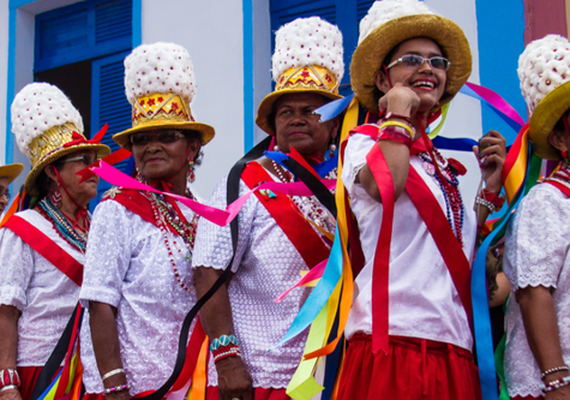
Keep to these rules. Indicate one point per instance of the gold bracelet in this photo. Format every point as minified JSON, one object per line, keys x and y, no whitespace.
{"x":394,"y":123}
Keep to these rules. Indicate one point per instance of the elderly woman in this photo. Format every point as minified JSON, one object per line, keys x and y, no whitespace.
{"x":409,"y":327}
{"x":537,"y":260}
{"x":7,"y":175}
{"x":42,"y":249}
{"x":138,"y":279}
{"x":279,"y":236}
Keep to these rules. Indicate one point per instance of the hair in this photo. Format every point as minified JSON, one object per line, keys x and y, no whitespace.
{"x":43,"y":181}
{"x":195,"y":135}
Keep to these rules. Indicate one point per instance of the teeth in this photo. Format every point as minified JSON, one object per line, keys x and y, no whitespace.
{"x":424,"y":83}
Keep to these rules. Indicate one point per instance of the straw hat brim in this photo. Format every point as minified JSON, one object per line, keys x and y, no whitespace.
{"x":30,"y":183}
{"x":265,"y":109}
{"x":371,"y":52}
{"x":546,"y":114}
{"x":206,"y":131}
{"x":11,"y":171}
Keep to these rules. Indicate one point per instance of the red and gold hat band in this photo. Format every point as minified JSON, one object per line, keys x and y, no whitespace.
{"x":308,"y":77}
{"x":158,"y":106}
{"x":50,"y":141}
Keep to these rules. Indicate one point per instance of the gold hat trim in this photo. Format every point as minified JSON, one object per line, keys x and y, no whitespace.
{"x":308,"y":77}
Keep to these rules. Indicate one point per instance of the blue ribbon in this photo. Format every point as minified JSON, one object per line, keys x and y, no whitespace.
{"x":334,"y":108}
{"x":460,"y":144}
{"x":322,"y":168}
{"x":320,"y":294}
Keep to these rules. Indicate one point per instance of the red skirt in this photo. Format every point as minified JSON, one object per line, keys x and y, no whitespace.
{"x":28,"y":376}
{"x":259,"y":394}
{"x":412,"y":369}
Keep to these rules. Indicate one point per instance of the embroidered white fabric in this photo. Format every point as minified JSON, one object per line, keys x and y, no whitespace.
{"x":268,"y":265}
{"x":423,"y":301}
{"x":536,"y":253}
{"x":128,"y":266}
{"x":45,"y":295}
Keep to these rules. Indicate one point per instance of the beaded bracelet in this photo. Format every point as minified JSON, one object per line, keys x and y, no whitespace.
{"x":9,"y":376}
{"x":113,"y":373}
{"x":486,"y":203}
{"x":553,"y":370}
{"x":8,"y":387}
{"x":557,"y":384}
{"x":497,"y":201}
{"x":231,"y":351}
{"x":223,"y":340}
{"x":116,"y":389}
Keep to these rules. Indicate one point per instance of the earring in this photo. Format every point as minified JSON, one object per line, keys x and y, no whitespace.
{"x":56,"y":196}
{"x":332,"y":149}
{"x":190,"y":176}
{"x":564,"y":154}
{"x":275,"y":148}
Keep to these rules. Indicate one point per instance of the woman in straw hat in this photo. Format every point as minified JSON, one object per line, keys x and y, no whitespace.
{"x":138,"y":279}
{"x":7,"y":175}
{"x":537,"y":261}
{"x":279,"y":236}
{"x":42,"y":249}
{"x":409,"y":328}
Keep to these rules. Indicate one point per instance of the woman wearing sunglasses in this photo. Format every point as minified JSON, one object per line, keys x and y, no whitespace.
{"x":409,"y":329}
{"x":138,"y":277}
{"x":42,"y":249}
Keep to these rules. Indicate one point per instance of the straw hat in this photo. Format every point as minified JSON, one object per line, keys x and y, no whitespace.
{"x":308,"y":58}
{"x":159,"y":84}
{"x":11,"y":171}
{"x":391,"y":22}
{"x":47,"y":127}
{"x":545,"y":85}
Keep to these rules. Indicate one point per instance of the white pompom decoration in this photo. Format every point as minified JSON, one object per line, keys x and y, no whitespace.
{"x":543,"y":66}
{"x":37,"y":108}
{"x":387,"y":10}
{"x":159,"y":68}
{"x":308,"y":41}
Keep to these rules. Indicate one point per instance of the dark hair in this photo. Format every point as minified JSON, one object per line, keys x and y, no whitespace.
{"x":195,"y":135}
{"x":43,"y":180}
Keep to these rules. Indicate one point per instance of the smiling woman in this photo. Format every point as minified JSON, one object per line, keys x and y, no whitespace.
{"x":42,"y":249}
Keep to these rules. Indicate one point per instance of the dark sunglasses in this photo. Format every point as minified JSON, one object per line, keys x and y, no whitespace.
{"x":86,"y":159}
{"x":6,"y":194}
{"x":415,"y":61}
{"x":165,"y":137}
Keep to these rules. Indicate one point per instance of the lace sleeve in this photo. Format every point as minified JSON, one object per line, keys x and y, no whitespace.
{"x":213,"y":246}
{"x":537,"y":241}
{"x":17,"y":266}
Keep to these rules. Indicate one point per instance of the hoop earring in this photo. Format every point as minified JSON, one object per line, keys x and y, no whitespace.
{"x":190,"y":175}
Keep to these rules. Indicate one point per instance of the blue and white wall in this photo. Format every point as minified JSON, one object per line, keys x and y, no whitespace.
{"x":229,"y":42}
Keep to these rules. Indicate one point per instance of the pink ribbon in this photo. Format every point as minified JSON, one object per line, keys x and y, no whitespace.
{"x":212,"y":214}
{"x":496,"y":101}
{"x":315,"y":273}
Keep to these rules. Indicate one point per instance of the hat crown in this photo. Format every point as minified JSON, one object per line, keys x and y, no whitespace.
{"x":543,"y":66}
{"x":36,"y":110}
{"x":159,"y":68}
{"x":387,"y":10}
{"x":307,"y":42}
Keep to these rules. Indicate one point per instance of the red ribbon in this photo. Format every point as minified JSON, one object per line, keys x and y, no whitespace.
{"x":80,"y":139}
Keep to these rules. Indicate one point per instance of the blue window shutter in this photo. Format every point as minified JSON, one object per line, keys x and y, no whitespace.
{"x":109,"y":104}
{"x":345,"y":14}
{"x":82,"y":31}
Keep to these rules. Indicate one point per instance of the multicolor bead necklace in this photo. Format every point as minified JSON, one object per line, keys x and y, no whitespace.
{"x":561,"y":176}
{"x":63,"y":226}
{"x":165,"y":215}
{"x":450,"y":189}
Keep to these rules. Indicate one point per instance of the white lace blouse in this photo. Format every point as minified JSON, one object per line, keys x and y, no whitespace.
{"x":536,"y":253}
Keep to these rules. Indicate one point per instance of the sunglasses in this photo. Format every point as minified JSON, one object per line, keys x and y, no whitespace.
{"x":86,"y":159}
{"x":165,"y":137}
{"x":415,"y":61}
{"x":6,"y":194}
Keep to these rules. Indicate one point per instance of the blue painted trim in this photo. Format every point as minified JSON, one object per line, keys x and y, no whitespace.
{"x":10,"y":87}
{"x":498,"y":62}
{"x":248,"y":106}
{"x":19,"y":3}
{"x":137,"y":23}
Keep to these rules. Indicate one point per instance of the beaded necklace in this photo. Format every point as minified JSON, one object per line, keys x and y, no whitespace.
{"x":450,"y":189}
{"x":309,"y":206}
{"x":166,"y":215}
{"x":62,"y":225}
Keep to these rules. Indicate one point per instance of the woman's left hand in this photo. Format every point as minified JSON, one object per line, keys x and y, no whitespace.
{"x":491,"y":159}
